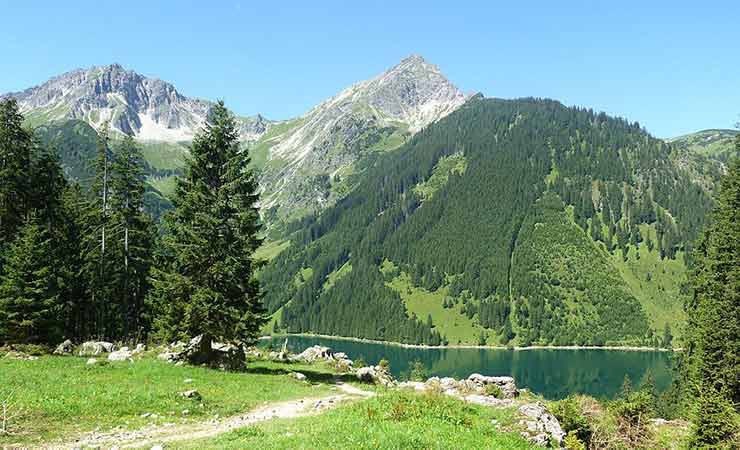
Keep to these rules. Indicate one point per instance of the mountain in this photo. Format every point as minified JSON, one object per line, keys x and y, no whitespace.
{"x":305,"y":163}
{"x":715,"y":144}
{"x":508,"y":221}
{"x":312,"y":160}
{"x":147,"y":108}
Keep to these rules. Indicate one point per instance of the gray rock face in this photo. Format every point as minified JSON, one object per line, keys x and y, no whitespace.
{"x":307,"y":158}
{"x":92,"y":348}
{"x":343,"y":129}
{"x":147,"y":108}
{"x":542,"y":427}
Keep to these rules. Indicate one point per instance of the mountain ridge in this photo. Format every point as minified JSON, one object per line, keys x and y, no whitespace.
{"x":306,"y":163}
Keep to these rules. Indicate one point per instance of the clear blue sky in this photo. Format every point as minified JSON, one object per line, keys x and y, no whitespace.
{"x":674,"y":66}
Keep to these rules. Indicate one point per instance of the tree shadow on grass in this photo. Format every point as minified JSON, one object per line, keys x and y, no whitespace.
{"x":312,"y":376}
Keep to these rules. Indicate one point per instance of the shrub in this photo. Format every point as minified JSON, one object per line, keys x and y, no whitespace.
{"x":385,"y":365}
{"x":494,"y":391}
{"x":31,"y":349}
{"x":571,"y":442}
{"x":360,"y":362}
{"x":633,"y":415}
{"x":571,"y":417}
{"x":418,"y":372}
{"x":636,"y":408}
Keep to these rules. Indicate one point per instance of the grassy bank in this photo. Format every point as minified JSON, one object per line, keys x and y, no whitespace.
{"x":391,"y":420}
{"x":60,"y":397}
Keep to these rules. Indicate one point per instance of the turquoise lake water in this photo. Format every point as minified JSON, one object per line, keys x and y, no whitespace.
{"x":553,"y":373}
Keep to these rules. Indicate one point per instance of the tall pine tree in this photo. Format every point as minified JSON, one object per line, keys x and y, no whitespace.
{"x":29,"y":298}
{"x":16,"y":145}
{"x":134,"y":234}
{"x":206,"y":284}
{"x":712,"y":365}
{"x":98,"y":266}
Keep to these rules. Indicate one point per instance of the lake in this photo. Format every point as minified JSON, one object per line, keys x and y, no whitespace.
{"x":554,"y":373}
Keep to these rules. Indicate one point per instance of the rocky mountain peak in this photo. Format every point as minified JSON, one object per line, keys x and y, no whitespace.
{"x":147,"y":108}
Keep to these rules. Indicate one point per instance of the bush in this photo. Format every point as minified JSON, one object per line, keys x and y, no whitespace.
{"x":716,"y":424}
{"x":633,"y":415}
{"x":385,"y":365}
{"x":418,"y":371}
{"x":494,"y":391}
{"x":571,"y":417}
{"x":31,"y":349}
{"x":571,"y":442}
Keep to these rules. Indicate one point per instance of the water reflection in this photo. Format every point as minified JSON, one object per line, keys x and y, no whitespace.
{"x":552,"y":373}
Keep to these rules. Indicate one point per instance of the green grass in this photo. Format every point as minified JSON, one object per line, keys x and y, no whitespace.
{"x":164,"y":155}
{"x":165,"y":185}
{"x":62,"y":397}
{"x":269,"y":327}
{"x":302,"y":276}
{"x":451,"y":323}
{"x":447,"y":165}
{"x":660,"y":296}
{"x":260,"y":151}
{"x":392,"y":420}
{"x":270,"y":249}
{"x":336,"y":275}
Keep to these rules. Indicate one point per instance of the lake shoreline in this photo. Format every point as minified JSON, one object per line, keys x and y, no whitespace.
{"x":480,"y":347}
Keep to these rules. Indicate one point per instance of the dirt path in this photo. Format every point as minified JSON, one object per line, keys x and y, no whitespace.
{"x":159,"y":435}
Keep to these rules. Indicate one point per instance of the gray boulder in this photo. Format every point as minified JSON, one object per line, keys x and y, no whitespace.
{"x":542,"y":428}
{"x":506,"y":384}
{"x":312,"y":354}
{"x":95,"y":348}
{"x":376,"y":375}
{"x":65,"y":348}
{"x":201,"y":350}
{"x":124,"y":354}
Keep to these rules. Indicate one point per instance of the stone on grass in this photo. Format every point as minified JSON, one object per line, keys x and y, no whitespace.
{"x":124,"y":354}
{"x":95,"y":348}
{"x":92,"y":361}
{"x":192,"y":394}
{"x":299,"y":376}
{"x":65,"y":348}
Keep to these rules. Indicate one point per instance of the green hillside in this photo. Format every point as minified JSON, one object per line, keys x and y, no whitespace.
{"x":524,"y":218}
{"x":717,"y":144}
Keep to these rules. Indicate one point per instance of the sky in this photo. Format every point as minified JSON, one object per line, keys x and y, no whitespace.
{"x":674,"y":66}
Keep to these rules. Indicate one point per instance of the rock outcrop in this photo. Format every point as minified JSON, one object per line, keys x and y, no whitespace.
{"x":201,"y":350}
{"x":95,"y":348}
{"x":375,"y":374}
{"x":320,"y":353}
{"x":542,"y":428}
{"x":65,"y":348}
{"x":476,"y":384}
{"x":147,"y":108}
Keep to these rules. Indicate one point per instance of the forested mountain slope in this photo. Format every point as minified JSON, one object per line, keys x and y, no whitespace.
{"x":305,"y":163}
{"x":525,"y":220}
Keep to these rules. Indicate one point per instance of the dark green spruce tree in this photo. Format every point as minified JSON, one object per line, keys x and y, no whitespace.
{"x":204,"y":282}
{"x":16,"y":145}
{"x":134,"y":235}
{"x":98,"y":266}
{"x":29,"y":297}
{"x":713,"y":356}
